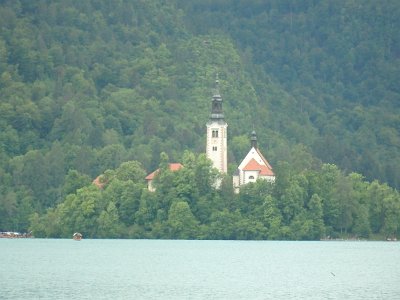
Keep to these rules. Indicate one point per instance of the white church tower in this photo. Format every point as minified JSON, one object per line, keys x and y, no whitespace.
{"x":217,"y":148}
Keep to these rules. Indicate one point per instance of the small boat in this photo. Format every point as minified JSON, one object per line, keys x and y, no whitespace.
{"x":77,"y":236}
{"x":15,"y":235}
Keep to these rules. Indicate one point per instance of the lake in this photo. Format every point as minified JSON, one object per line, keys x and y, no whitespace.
{"x":170,"y":269}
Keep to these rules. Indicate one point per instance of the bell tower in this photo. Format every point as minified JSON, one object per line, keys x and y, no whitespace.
{"x":216,"y":148}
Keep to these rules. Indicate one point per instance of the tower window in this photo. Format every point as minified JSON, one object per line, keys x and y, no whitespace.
{"x":214,"y":133}
{"x":214,"y":148}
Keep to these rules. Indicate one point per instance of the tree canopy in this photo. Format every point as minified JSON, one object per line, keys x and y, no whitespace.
{"x":97,"y":87}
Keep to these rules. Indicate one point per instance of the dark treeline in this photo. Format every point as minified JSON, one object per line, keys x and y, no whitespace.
{"x":86,"y":86}
{"x":307,"y":205}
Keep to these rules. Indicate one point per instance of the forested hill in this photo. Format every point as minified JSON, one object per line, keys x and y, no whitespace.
{"x":88,"y":85}
{"x":338,"y":60}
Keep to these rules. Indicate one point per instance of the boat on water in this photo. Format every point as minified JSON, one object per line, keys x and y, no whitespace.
{"x":77,"y":236}
{"x":15,"y":235}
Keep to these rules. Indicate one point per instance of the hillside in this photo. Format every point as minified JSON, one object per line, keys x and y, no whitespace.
{"x":339,"y":62}
{"x":86,"y":86}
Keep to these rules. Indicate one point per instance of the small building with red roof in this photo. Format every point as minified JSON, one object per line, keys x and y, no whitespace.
{"x":254,"y":166}
{"x":99,"y":182}
{"x":149,"y":178}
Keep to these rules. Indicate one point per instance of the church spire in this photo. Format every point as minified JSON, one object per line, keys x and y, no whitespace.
{"x":216,"y":103}
{"x":217,"y":132}
{"x":216,"y":88}
{"x":253,"y":139}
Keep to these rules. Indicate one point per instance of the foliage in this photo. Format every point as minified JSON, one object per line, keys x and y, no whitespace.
{"x":99,"y":87}
{"x":181,"y":208}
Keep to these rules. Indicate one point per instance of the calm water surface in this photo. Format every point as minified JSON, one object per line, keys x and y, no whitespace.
{"x":160,"y":269}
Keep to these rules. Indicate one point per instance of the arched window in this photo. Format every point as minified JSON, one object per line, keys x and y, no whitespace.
{"x":214,"y":133}
{"x":251,"y":177}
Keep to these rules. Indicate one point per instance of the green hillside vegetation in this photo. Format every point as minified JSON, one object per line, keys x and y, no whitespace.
{"x":338,"y":60}
{"x":307,"y":205}
{"x":100,"y":87}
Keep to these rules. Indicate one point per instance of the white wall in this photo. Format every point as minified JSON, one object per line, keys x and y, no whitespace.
{"x":220,"y":156}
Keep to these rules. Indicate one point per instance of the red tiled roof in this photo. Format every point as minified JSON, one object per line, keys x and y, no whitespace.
{"x":152,"y":175}
{"x":173,"y":167}
{"x":264,"y":159}
{"x":265,"y":171}
{"x":98,"y":182}
{"x":253,"y":165}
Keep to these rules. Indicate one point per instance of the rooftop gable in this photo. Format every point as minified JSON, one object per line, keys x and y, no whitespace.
{"x":253,"y":165}
{"x":264,"y":159}
{"x":172,"y":166}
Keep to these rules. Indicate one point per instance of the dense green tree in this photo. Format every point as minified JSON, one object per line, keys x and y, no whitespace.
{"x":375,"y":195}
{"x":147,"y":210}
{"x":108,"y":223}
{"x":272,"y":217}
{"x":123,"y":207}
{"x":181,"y":222}
{"x":346,"y":202}
{"x":316,"y":215}
{"x":74,"y":181}
{"x":93,"y":88}
{"x":293,"y":199}
{"x":8,"y":209}
{"x":391,"y":223}
{"x":362,"y":226}
{"x":323,"y":183}
{"x":223,"y":225}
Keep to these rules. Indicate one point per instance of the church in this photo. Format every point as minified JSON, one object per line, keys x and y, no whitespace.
{"x":254,"y":166}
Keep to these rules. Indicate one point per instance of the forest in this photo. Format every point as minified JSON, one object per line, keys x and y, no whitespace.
{"x":121,"y":88}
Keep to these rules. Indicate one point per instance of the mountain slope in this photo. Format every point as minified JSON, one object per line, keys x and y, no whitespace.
{"x":86,"y":86}
{"x":340,"y":62}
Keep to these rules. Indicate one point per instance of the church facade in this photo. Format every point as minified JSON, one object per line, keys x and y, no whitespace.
{"x":254,"y":166}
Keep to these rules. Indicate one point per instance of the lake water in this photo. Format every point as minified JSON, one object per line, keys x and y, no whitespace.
{"x":162,"y":269}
